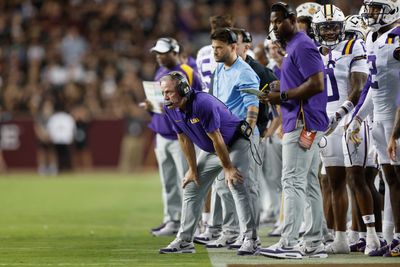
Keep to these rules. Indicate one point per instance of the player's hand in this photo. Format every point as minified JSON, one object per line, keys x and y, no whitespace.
{"x":333,"y":123}
{"x":271,"y":97}
{"x":232,"y":176}
{"x":190,"y":176}
{"x":391,"y":149}
{"x":353,"y":131}
{"x":275,"y":86}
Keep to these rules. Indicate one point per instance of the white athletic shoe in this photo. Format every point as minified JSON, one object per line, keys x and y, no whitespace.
{"x":178,"y":246}
{"x":206,"y":237}
{"x":316,"y":252}
{"x":249,"y":247}
{"x":223,"y":241}
{"x":337,"y":248}
{"x":279,"y":251}
{"x":170,"y":229}
{"x":372,"y":244}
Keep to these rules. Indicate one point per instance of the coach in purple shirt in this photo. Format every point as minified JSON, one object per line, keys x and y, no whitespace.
{"x":303,"y":105}
{"x":201,"y":119}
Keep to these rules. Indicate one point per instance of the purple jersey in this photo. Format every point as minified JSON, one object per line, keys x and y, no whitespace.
{"x":204,"y":114}
{"x":159,"y":124}
{"x":302,"y":61}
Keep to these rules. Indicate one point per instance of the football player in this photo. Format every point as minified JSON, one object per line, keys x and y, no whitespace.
{"x":346,"y":72}
{"x":383,"y":54}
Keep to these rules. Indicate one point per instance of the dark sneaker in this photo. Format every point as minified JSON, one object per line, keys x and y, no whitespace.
{"x":384,"y":250}
{"x":394,"y":249}
{"x":359,"y":246}
{"x":178,"y":246}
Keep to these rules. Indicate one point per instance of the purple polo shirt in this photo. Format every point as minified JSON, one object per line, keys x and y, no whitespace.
{"x":277,"y":72}
{"x":204,"y":114}
{"x":159,"y":124}
{"x":302,"y":61}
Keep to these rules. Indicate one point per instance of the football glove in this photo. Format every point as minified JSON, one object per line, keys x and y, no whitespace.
{"x":353,"y":131}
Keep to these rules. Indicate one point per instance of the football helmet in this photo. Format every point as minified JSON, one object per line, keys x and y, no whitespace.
{"x":379,"y":13}
{"x":354,"y":26}
{"x":328,"y":25}
{"x":307,"y":9}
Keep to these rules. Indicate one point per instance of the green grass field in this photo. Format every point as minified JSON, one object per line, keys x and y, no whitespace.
{"x":102,"y":220}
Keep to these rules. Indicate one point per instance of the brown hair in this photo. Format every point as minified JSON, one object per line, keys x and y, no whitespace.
{"x":221,"y":21}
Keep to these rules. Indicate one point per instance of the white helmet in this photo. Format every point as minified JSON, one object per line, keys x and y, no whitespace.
{"x":388,"y":14}
{"x":354,"y":25}
{"x":307,"y":9}
{"x":329,"y":17}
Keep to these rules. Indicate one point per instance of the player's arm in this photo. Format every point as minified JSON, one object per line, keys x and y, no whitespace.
{"x":251,"y":117}
{"x":232,"y":175}
{"x":312,"y":86}
{"x":357,"y":82}
{"x":190,"y":155}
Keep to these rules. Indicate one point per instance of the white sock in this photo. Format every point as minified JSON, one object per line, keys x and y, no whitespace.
{"x":371,"y":231}
{"x":380,"y":235}
{"x":353,"y":236}
{"x":205,"y":216}
{"x":388,"y":231}
{"x":340,"y":236}
{"x":362,"y":234}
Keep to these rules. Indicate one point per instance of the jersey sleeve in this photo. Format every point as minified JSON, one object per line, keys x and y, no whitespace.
{"x":308,"y":60}
{"x":359,"y":57}
{"x":364,"y":106}
{"x":248,"y":79}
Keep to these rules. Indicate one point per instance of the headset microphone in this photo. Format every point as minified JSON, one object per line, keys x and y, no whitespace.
{"x":168,"y":103}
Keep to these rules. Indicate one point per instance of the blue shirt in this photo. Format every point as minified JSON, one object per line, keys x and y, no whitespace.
{"x":229,"y":81}
{"x":302,"y":61}
{"x":204,"y":114}
{"x":159,"y":124}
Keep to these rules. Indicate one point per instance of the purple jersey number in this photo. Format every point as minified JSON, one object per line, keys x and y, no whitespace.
{"x":330,"y":75}
{"x":373,"y":70}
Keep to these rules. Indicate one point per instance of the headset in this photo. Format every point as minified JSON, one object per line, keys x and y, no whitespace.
{"x":246,"y":36}
{"x":232,"y":38}
{"x":182,"y":85}
{"x":286,"y":8}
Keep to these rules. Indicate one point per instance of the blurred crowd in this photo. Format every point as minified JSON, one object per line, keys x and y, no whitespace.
{"x":88,"y":57}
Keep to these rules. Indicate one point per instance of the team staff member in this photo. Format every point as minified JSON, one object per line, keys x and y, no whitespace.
{"x":201,"y":119}
{"x":171,"y":163}
{"x":303,"y":105}
{"x":206,"y":64}
{"x":266,"y":76}
{"x":231,"y":75}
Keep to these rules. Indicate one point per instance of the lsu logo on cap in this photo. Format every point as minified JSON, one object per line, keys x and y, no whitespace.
{"x":194,"y":120}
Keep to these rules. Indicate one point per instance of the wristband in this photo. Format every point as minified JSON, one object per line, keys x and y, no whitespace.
{"x":345,"y":108}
